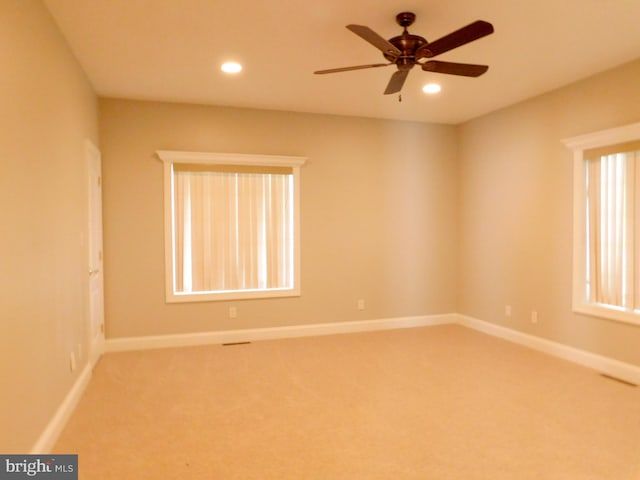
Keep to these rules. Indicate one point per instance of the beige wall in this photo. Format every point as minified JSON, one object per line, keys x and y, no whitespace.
{"x":48,"y":109}
{"x":515,"y":216}
{"x":378,"y":215}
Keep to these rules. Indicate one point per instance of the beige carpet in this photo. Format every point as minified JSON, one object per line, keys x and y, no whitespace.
{"x":427,"y":403}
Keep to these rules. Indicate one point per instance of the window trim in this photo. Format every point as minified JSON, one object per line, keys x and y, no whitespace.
{"x":171,"y":157}
{"x":579,"y":144}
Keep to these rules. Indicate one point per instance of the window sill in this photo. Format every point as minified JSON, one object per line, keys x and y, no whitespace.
{"x":609,"y":313}
{"x":231,"y":295}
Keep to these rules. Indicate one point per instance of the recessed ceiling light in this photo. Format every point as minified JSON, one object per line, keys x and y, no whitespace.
{"x":231,"y":67}
{"x":431,"y":88}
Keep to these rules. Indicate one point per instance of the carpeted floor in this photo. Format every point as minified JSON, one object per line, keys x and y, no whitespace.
{"x":435,"y":403}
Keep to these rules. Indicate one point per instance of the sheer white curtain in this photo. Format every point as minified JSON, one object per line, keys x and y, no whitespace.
{"x":233,"y":229}
{"x":613,"y":186}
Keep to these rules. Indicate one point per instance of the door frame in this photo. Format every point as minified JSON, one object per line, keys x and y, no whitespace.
{"x":95,"y":339}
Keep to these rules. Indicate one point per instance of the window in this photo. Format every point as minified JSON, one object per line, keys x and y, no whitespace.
{"x":606,"y":279}
{"x":231,"y":226}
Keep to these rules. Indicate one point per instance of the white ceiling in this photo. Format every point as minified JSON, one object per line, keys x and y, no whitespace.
{"x":171,"y":50}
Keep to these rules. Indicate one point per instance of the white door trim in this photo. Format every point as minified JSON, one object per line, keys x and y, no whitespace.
{"x":95,"y":276}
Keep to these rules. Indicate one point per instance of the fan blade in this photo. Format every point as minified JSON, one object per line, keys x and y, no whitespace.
{"x":356,"y":67}
{"x":376,"y":40}
{"x":396,"y":82}
{"x":464,"y":35}
{"x":463,"y":69}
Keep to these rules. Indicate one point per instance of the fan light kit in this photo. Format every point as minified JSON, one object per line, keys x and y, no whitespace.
{"x":231,"y":67}
{"x":406,"y":50}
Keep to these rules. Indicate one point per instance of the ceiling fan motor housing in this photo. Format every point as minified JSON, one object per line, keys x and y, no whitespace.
{"x":408,"y":44}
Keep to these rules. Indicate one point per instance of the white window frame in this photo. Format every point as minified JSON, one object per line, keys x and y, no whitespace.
{"x":169,"y":158}
{"x":579,"y":145}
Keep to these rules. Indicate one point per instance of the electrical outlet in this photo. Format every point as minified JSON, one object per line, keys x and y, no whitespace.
{"x":534,"y":317}
{"x":507,"y":310}
{"x":361,"y":304}
{"x":233,"y":312}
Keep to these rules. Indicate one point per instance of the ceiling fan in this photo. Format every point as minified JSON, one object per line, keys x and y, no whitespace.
{"x":406,"y":50}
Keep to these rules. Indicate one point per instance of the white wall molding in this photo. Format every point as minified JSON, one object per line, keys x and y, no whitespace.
{"x":256,"y":334}
{"x":610,"y":136}
{"x":600,"y":363}
{"x":609,"y":366}
{"x":171,"y":156}
{"x":60,"y":418}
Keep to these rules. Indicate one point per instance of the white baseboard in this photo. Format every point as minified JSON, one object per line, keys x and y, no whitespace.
{"x":57,"y":423}
{"x":615,"y":368}
{"x":609,"y":366}
{"x":256,"y":334}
